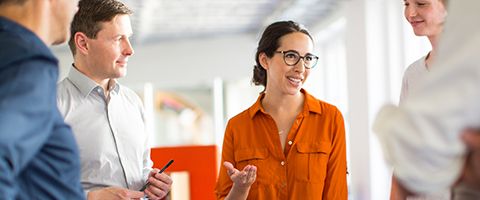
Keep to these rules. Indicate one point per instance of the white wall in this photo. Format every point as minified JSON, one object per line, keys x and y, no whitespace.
{"x":185,"y":63}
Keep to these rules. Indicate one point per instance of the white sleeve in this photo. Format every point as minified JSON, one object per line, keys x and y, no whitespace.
{"x":421,"y":137}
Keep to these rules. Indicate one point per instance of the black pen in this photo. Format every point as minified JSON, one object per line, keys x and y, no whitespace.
{"x":163,"y":169}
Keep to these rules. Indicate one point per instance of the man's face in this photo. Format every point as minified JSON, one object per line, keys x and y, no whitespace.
{"x":108,"y":53}
{"x":63,"y":12}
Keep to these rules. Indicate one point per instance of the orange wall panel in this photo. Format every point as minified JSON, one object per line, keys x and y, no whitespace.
{"x":199,"y":161}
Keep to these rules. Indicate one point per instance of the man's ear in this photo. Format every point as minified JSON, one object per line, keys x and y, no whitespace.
{"x":81,"y":42}
{"x":264,"y":60}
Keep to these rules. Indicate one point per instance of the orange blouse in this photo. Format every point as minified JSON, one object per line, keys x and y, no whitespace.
{"x":312,"y":166}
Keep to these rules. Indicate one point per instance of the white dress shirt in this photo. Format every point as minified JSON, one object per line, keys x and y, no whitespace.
{"x":110,"y":133}
{"x":421,"y":137}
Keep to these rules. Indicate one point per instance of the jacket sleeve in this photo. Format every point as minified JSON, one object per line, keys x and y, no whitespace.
{"x":27,"y":100}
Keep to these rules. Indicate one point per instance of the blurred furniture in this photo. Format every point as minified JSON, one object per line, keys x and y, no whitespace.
{"x":200,"y":163}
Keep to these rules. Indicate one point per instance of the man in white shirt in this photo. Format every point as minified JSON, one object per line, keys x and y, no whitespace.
{"x":421,"y":138}
{"x":107,"y":118}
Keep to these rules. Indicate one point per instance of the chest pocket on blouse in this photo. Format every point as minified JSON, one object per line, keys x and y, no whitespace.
{"x":253,"y":156}
{"x":250,"y":156}
{"x":311,"y":161}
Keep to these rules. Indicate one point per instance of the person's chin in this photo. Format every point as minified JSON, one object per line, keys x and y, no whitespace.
{"x":122,"y":74}
{"x":419,"y":31}
{"x":294,"y":90}
{"x":59,"y":40}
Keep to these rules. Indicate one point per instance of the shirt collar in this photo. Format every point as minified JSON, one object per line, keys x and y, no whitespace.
{"x":87,"y":85}
{"x":310,"y":105}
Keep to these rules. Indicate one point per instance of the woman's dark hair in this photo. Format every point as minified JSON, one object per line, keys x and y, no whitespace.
{"x":269,"y":43}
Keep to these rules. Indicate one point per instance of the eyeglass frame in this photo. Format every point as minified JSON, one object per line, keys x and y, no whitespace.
{"x":300,"y":58}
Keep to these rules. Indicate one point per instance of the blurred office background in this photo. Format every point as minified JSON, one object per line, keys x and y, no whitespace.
{"x":194,"y":58}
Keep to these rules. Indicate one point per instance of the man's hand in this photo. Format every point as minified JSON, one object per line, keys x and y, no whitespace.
{"x":160,"y":185}
{"x":114,"y":193}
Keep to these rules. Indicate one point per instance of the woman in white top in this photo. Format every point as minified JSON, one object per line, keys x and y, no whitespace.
{"x":427,"y":18}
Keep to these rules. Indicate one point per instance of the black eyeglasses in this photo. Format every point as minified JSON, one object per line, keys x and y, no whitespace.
{"x":292,"y":57}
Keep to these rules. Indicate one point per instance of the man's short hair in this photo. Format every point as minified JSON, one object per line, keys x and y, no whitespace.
{"x":90,"y":15}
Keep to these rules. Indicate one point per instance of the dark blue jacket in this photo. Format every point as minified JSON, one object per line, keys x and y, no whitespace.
{"x":39,"y":158}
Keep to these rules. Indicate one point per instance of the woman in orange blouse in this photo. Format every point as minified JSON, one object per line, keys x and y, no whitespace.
{"x":288,"y":145}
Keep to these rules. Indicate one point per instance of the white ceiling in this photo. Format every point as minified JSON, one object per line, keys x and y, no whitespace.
{"x":185,"y":43}
{"x":161,"y":20}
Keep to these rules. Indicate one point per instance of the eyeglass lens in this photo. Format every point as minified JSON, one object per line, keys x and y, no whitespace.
{"x":292,"y":58}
